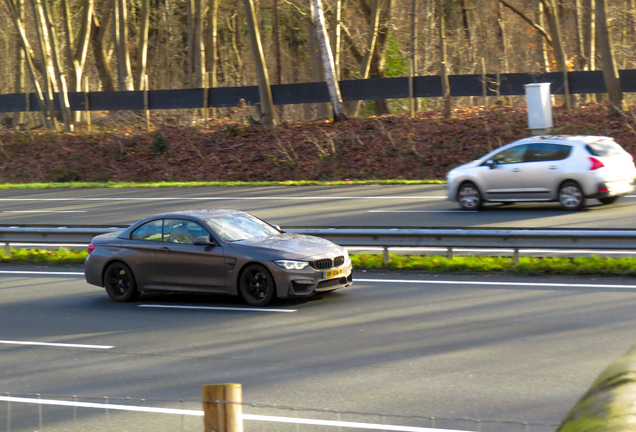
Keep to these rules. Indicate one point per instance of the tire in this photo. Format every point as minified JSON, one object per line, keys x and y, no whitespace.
{"x":256,"y":285}
{"x":120,"y":283}
{"x":608,"y":200}
{"x":571,"y":196}
{"x":469,"y":197}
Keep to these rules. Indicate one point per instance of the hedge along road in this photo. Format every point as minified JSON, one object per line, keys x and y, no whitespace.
{"x":302,"y":206}
{"x":490,"y":347}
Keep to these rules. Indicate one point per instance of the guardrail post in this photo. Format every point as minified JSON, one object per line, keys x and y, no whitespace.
{"x":7,"y":250}
{"x":449,"y":253}
{"x":516,"y":256}
{"x":385,"y":256}
{"x":222,"y":409}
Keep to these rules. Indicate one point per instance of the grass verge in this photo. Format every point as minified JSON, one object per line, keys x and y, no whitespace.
{"x":114,"y":185}
{"x":527,"y":265}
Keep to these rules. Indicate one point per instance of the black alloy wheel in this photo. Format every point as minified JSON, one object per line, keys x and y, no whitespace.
{"x":608,"y":200}
{"x":119,"y":282}
{"x":257,"y":285}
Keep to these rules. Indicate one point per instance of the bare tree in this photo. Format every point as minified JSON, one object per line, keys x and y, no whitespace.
{"x":264,"y":89}
{"x":100,"y":53}
{"x":124,"y":72}
{"x":142,"y":48}
{"x":441,"y":27}
{"x":610,"y":71}
{"x":327,"y":61}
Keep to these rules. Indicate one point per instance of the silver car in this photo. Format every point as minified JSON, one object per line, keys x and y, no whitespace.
{"x":567,"y":169}
{"x":215,"y":251}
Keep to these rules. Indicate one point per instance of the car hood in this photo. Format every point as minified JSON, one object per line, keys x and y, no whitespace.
{"x":291,"y":246}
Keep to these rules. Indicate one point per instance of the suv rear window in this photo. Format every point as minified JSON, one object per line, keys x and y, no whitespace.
{"x":604,"y":148}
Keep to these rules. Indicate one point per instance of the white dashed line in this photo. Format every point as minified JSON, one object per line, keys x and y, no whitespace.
{"x":268,"y":198}
{"x":50,"y":344}
{"x":218,"y":308}
{"x":423,"y":211}
{"x":44,"y":211}
{"x":24,"y":272}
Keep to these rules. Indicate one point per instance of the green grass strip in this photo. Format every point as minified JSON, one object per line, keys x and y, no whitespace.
{"x":527,"y":265}
{"x":593,"y":265}
{"x":114,"y":185}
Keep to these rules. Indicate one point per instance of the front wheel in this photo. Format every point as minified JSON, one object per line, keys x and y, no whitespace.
{"x":469,"y":197}
{"x":119,"y":282}
{"x":257,"y":285}
{"x":571,"y":196}
{"x":608,"y":200}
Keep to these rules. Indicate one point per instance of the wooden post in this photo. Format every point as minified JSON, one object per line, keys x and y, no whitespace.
{"x":484,"y":84}
{"x":411,"y":98}
{"x":222,"y":409}
{"x":7,"y":250}
{"x":147,"y":114}
{"x":86,"y":105}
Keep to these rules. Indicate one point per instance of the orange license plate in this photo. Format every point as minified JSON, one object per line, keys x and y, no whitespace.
{"x":333,"y":273}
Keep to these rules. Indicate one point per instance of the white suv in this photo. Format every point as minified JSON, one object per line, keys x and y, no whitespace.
{"x":561,"y":168}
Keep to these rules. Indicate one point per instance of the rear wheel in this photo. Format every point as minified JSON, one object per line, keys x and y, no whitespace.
{"x":571,"y":196}
{"x":119,"y":282}
{"x":469,"y":197}
{"x":608,"y":200}
{"x":257,"y":285}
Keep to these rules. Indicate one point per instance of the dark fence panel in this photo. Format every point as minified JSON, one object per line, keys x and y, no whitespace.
{"x":315,"y":92}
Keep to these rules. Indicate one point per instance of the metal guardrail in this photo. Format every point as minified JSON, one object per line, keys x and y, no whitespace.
{"x":383,"y":237}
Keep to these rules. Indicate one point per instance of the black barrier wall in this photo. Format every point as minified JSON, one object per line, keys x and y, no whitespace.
{"x":351,"y":90}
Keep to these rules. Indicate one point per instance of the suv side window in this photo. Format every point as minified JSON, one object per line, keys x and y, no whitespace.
{"x":149,"y":231}
{"x":182,"y":231}
{"x":547,"y":152}
{"x":511,"y":155}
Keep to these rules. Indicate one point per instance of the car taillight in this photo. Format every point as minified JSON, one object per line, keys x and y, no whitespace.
{"x":91,"y":247}
{"x":596,"y":164}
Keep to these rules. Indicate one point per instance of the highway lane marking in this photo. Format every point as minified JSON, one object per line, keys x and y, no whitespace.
{"x":423,"y":211}
{"x":284,"y":198}
{"x":199,"y":413}
{"x":531,"y":284}
{"x":52,"y":344}
{"x":218,"y":308}
{"x":41,"y":273}
{"x":44,"y":211}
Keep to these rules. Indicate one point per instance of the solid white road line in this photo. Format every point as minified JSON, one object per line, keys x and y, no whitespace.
{"x":530,"y":284}
{"x":218,"y":308}
{"x":423,"y":211}
{"x":44,"y":211}
{"x":521,"y":251}
{"x":50,"y":344}
{"x":198,"y":413}
{"x":41,"y":273}
{"x":269,"y":198}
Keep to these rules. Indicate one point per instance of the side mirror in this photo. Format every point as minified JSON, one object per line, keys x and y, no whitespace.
{"x":203,"y":241}
{"x":490,"y":164}
{"x":278,"y":228}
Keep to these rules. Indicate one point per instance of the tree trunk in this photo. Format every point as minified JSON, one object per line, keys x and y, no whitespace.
{"x":327,"y":61}
{"x":142,"y":49}
{"x":503,"y":40}
{"x":197,"y":45}
{"x":20,"y":61}
{"x":67,"y":115}
{"x":542,"y":52}
{"x":317,"y":71}
{"x":337,"y":37}
{"x":372,"y":37}
{"x":581,"y":61}
{"x":48,"y":73}
{"x":441,"y":25}
{"x":610,"y":71}
{"x":552,"y":15}
{"x":211,"y":56}
{"x":124,"y":73}
{"x":378,"y":62}
{"x":413,"y":53}
{"x":264,"y":89}
{"x":102,"y":61}
{"x":276,"y":38}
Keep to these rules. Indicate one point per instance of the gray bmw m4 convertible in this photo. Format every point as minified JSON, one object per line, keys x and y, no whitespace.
{"x":215,"y":251}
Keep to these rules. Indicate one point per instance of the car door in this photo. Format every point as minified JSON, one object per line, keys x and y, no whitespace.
{"x":503,"y":174}
{"x":182,"y":264}
{"x":543,"y":169}
{"x":140,"y":250}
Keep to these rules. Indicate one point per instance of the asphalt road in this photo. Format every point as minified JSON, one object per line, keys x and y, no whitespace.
{"x":482,"y":347}
{"x":371,"y":206}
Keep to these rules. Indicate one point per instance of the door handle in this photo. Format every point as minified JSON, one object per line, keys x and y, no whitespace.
{"x":516,"y":170}
{"x":553,"y":167}
{"x":164,"y":249}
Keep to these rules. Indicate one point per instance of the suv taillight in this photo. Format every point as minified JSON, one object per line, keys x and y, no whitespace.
{"x":596,"y":164}
{"x":91,"y":247}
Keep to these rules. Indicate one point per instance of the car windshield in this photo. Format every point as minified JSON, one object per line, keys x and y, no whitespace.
{"x":604,"y":148}
{"x":240,"y":226}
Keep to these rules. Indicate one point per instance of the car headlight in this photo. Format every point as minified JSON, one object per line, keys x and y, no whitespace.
{"x":291,"y":265}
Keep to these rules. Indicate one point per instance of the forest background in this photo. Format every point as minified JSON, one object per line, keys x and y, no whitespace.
{"x":106,"y":45}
